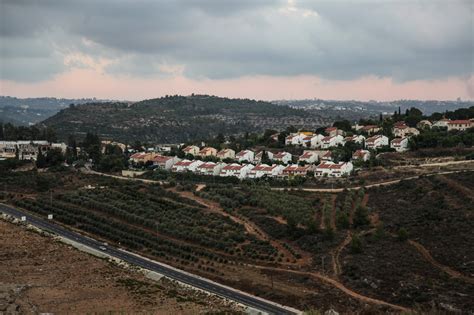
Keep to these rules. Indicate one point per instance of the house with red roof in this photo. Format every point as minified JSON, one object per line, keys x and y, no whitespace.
{"x":261,"y":170}
{"x":226,"y":154}
{"x":376,"y":142}
{"x":355,"y":138}
{"x":164,"y":162}
{"x":283,"y":157}
{"x":296,"y":170}
{"x":294,"y":139}
{"x":333,"y":131}
{"x":210,"y":168}
{"x":401,"y":130}
{"x":442,"y":123}
{"x":361,"y":155}
{"x":207,"y":151}
{"x":308,"y":157}
{"x":331,"y":169}
{"x":332,"y":141}
{"x":399,"y":144}
{"x":459,"y":124}
{"x":191,"y":149}
{"x":259,"y":156}
{"x":186,"y":166}
{"x":245,"y":155}
{"x":312,"y":141}
{"x":236,"y":170}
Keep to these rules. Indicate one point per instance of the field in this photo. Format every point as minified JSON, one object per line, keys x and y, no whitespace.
{"x":40,"y":275}
{"x":398,"y":247}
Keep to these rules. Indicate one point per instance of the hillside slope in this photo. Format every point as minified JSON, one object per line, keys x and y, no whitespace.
{"x":177,"y":118}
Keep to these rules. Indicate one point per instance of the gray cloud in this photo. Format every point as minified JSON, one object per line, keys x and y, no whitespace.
{"x":406,"y":40}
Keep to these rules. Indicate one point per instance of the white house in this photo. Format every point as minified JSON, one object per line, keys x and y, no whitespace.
{"x":236,"y":170}
{"x":186,"y":165}
{"x":313,"y":141}
{"x":331,"y":169}
{"x":294,"y":139}
{"x":245,"y":155}
{"x":261,"y":170}
{"x":375,"y":142}
{"x":442,"y":123}
{"x":361,"y":155}
{"x":8,"y":149}
{"x":207,"y":151}
{"x":191,"y":149}
{"x":460,"y":124}
{"x":401,"y":130}
{"x":356,"y":139}
{"x":226,"y":154}
{"x":164,"y":162}
{"x":332,"y":141}
{"x":309,"y":157}
{"x":283,"y":157}
{"x":333,"y":131}
{"x":296,"y":170}
{"x":210,"y":168}
{"x":399,"y":144}
{"x":258,"y":157}
{"x":61,"y":146}
{"x":424,"y":124}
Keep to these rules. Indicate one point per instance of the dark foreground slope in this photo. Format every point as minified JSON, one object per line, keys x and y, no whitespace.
{"x":177,"y":118}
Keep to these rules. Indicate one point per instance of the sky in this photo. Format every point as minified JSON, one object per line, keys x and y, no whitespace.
{"x":281,"y":49}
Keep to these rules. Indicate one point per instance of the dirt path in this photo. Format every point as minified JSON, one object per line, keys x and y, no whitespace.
{"x":426,"y":254}
{"x":463,"y":190}
{"x":336,"y":265}
{"x":340,"y":286}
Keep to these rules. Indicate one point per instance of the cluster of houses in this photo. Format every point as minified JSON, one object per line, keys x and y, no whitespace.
{"x":247,"y":163}
{"x":27,"y":150}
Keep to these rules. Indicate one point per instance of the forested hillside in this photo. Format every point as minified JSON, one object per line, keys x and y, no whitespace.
{"x":174,"y":119}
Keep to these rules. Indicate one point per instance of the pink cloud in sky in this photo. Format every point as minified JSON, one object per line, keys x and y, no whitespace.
{"x":79,"y":83}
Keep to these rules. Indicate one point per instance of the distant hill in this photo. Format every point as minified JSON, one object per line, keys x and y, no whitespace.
{"x":175,"y":119}
{"x":28,"y":111}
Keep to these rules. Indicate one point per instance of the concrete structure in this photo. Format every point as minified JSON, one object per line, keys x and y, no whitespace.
{"x":401,"y":130}
{"x":191,"y":149}
{"x":186,"y":166}
{"x":261,"y":170}
{"x":309,"y":157}
{"x":356,"y":139}
{"x":164,"y":162}
{"x":361,"y":155}
{"x":296,"y":170}
{"x":210,"y":168}
{"x":332,"y":141}
{"x":460,"y":124}
{"x":207,"y":151}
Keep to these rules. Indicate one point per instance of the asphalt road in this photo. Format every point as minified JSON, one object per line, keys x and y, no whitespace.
{"x":172,"y":273}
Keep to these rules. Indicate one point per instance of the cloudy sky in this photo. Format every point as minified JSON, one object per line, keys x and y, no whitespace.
{"x":335,"y":49}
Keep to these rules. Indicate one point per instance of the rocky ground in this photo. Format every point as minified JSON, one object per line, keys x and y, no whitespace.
{"x":41,"y":275}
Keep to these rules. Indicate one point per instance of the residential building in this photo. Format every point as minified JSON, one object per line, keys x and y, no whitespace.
{"x":331,"y":169}
{"x":142,"y":157}
{"x":61,"y":146}
{"x":164,"y":162}
{"x":259,"y":156}
{"x":245,"y":155}
{"x":294,"y":139}
{"x":313,"y":141}
{"x":226,"y":154}
{"x":236,"y":170}
{"x":376,"y":142}
{"x":332,"y":141}
{"x":401,"y":130}
{"x":261,"y":170}
{"x":8,"y":149}
{"x":356,"y":139}
{"x":296,"y":170}
{"x":283,"y":157}
{"x":29,"y":150}
{"x":399,"y":144}
{"x":442,"y":123}
{"x":460,"y":124}
{"x":186,"y":166}
{"x":370,"y":129}
{"x":309,"y":157}
{"x":424,"y":124}
{"x":333,"y":131}
{"x":210,"y":168}
{"x":191,"y":149}
{"x":361,"y":155}
{"x":207,"y":151}
{"x":325,"y":155}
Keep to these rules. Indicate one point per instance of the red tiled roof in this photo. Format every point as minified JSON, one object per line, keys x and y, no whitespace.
{"x":188,"y":148}
{"x":360,"y":153}
{"x":325,"y":165}
{"x":307,"y":155}
{"x":331,"y":128}
{"x":280,"y":155}
{"x":232,"y":167}
{"x":183,"y":163}
{"x":161,"y":158}
{"x":242,"y":153}
{"x":460,"y":122}
{"x":397,"y":140}
{"x":209,"y":165}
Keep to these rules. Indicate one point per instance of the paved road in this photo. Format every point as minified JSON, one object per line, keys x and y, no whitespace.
{"x":184,"y":277}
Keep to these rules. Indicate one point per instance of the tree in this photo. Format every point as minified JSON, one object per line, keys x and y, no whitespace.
{"x":361,"y":216}
{"x":40,"y":159}
{"x":356,"y":245}
{"x":402,"y":235}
